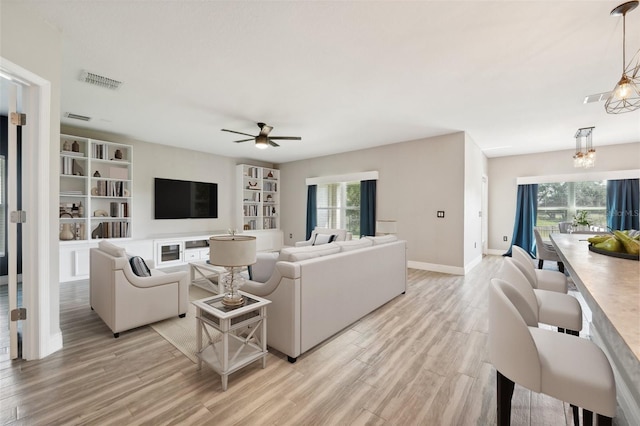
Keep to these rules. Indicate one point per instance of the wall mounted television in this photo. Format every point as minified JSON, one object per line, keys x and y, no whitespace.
{"x":182,"y":199}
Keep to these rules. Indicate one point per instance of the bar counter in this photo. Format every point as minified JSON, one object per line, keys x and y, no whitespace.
{"x":610,"y":287}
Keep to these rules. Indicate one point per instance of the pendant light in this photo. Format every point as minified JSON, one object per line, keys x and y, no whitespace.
{"x":626,"y":95}
{"x":584,"y":157}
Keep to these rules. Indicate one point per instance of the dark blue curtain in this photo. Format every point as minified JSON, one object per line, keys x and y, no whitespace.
{"x":368,"y":207}
{"x":623,"y":204}
{"x":526,"y":212}
{"x":312,"y":210}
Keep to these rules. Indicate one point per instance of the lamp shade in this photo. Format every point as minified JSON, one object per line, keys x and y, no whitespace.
{"x":232,"y":250}
{"x":386,"y":227}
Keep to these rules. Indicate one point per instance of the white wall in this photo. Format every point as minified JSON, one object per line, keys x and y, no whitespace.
{"x":30,"y":43}
{"x":475,"y":166}
{"x":417,"y":179}
{"x":504,"y":171}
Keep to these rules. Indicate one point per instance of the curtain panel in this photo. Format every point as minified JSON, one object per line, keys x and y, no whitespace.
{"x":368,"y":207}
{"x":623,"y":204}
{"x":526,"y":213}
{"x":312,"y":209}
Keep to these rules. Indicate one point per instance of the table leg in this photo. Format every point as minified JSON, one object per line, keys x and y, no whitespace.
{"x":199,"y":335}
{"x":225,"y":380}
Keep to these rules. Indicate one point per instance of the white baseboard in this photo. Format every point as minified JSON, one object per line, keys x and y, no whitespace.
{"x":475,"y":262}
{"x":446,"y":269}
{"x":496,"y":252}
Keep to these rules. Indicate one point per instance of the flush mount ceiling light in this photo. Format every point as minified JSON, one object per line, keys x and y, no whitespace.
{"x":584,"y":157}
{"x":626,"y":95}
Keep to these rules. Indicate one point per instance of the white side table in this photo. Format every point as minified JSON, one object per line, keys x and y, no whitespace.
{"x":243,"y":334}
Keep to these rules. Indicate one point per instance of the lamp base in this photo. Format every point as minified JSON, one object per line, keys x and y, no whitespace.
{"x":233,"y":302}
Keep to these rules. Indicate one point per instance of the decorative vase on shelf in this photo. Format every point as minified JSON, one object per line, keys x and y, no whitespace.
{"x":66,"y":234}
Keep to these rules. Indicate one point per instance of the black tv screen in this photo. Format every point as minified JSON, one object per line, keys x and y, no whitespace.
{"x":182,"y":199}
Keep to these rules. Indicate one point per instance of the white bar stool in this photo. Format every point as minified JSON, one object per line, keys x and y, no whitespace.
{"x":540,"y":278}
{"x":565,"y":367}
{"x":548,"y":307}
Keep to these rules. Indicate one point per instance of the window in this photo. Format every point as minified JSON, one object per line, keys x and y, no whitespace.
{"x":338,"y":206}
{"x":559,"y":202}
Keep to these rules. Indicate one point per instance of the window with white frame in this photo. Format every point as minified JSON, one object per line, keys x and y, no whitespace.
{"x":338,"y":206}
{"x":560,"y":201}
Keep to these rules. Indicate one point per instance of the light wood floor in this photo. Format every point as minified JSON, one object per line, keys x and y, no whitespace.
{"x":420,"y":359}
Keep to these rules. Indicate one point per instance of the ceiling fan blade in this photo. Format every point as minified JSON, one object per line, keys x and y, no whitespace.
{"x":288,"y":138}
{"x":240,"y":133}
{"x":264,"y":129}
{"x":244,"y":140}
{"x":272,"y":143}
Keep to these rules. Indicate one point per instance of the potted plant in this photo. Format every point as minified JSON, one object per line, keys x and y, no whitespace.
{"x":581,"y":221}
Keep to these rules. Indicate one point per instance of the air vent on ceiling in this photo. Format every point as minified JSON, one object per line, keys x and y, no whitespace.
{"x":598,"y":97}
{"x":77,"y":116}
{"x":100,"y":80}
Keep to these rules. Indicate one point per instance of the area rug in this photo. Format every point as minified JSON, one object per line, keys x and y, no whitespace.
{"x":181,"y":332}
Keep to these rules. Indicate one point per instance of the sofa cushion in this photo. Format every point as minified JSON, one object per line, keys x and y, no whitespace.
{"x":111,"y":249}
{"x":324,"y":239}
{"x":295,"y":254}
{"x":383,"y":239}
{"x":354,"y":244}
{"x":139,"y":267}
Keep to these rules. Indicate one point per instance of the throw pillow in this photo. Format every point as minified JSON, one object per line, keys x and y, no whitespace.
{"x":324,"y":239}
{"x":139,"y":267}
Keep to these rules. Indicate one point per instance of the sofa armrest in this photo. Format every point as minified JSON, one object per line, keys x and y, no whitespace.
{"x":282,"y":270}
{"x":157,"y":278}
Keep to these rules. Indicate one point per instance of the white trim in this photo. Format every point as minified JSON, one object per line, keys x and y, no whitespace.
{"x":446,"y":269}
{"x":350,"y":177}
{"x":579,"y":177}
{"x":496,"y":252}
{"x":39,"y":339}
{"x":469,"y":266}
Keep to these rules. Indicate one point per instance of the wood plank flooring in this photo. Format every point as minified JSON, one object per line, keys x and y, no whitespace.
{"x":419,"y":360}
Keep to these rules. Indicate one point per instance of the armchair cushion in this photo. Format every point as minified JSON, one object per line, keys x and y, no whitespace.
{"x":139,"y":267}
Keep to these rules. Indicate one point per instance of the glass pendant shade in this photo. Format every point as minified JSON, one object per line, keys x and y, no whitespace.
{"x":626,"y":95}
{"x":585,"y":157}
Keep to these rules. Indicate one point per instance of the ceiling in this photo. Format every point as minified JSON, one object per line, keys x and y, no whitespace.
{"x":345,"y":75}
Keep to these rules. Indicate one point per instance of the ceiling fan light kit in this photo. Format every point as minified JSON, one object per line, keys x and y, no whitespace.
{"x":263,"y":140}
{"x":626,"y":95}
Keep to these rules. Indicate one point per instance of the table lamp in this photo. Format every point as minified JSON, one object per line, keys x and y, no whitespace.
{"x":232,"y":252}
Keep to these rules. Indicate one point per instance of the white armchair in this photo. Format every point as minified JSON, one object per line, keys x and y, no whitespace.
{"x":340,"y":235}
{"x":124,"y":300}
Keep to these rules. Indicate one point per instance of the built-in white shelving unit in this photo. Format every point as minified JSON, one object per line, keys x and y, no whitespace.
{"x":259,"y":197}
{"x":95,"y":189}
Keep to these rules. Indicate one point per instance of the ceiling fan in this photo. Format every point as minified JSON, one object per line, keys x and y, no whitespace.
{"x":263,"y":140}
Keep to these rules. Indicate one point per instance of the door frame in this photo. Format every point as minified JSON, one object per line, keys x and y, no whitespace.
{"x":40,"y":290}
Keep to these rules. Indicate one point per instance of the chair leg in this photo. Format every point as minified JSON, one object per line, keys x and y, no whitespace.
{"x":540,"y":263}
{"x":561,"y":267}
{"x":576,"y":415}
{"x":505,"y":392}
{"x":604,"y":420}
{"x":587,"y":417}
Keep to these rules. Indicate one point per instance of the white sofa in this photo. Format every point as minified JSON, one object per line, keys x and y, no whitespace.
{"x":124,"y":300}
{"x":318,"y":291}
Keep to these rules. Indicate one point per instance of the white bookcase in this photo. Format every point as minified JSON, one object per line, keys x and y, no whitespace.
{"x":259,"y":197}
{"x":95,"y":189}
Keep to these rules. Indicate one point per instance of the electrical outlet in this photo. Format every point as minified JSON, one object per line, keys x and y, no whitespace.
{"x":290,"y":235}
{"x":504,"y":238}
{"x":440,"y":213}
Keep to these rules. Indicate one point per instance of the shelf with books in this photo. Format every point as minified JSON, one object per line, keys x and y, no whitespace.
{"x":95,"y":189}
{"x":258,"y":190}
